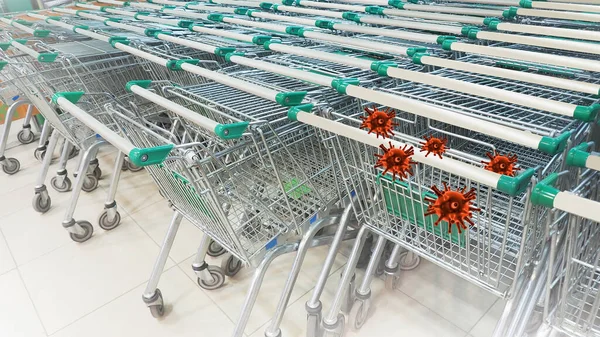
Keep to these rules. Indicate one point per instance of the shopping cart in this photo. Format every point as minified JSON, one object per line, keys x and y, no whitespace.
{"x":566,"y":285}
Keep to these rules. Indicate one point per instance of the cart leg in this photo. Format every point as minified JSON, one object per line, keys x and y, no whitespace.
{"x":314,"y":305}
{"x":41,"y":199}
{"x":9,"y":165}
{"x":26,"y":136}
{"x":152,"y":295}
{"x":333,"y":323}
{"x":273,"y":330}
{"x":80,"y":231}
{"x":43,"y":142}
{"x":360,"y":307}
{"x":209,"y":277}
{"x":110,"y":217}
{"x":61,"y":181}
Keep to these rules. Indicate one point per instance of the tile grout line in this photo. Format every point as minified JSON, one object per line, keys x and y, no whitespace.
{"x":32,"y":302}
{"x":105,"y":304}
{"x":480,"y":318}
{"x":435,"y":313}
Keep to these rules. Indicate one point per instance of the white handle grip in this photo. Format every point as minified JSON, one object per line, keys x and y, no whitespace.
{"x":23,"y":48}
{"x":559,"y":15}
{"x":577,"y":205}
{"x":565,"y":7}
{"x":88,"y":6}
{"x":329,"y":5}
{"x":192,"y":116}
{"x":526,"y":139}
{"x":454,"y":10}
{"x":561,"y":108}
{"x":321,"y":55}
{"x":358,"y":43}
{"x":447,"y":29}
{"x":109,"y":135}
{"x":418,"y":37}
{"x":550,"y":81}
{"x":550,"y":31}
{"x":449,"y":165}
{"x":206,"y":8}
{"x":223,"y":33}
{"x":473,"y":20}
{"x":579,"y":47}
{"x":309,"y":11}
{"x":186,"y":14}
{"x":593,"y":162}
{"x":591,"y":2}
{"x":292,"y":19}
{"x":285,"y":71}
{"x":514,"y":54}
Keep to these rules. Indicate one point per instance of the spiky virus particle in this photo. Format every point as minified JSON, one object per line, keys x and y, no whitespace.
{"x":380,"y":122}
{"x":437,"y":146}
{"x":501,"y":164}
{"x":398,"y":161}
{"x":453,"y":207}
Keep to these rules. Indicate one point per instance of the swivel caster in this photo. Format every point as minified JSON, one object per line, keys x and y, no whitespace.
{"x":409,"y":260}
{"x":90,"y":183}
{"x":218,"y":279}
{"x":61,"y":185}
{"x":11,"y":166}
{"x":156,"y":304}
{"x":230,"y":265}
{"x":41,"y":202}
{"x":215,"y":249}
{"x":25,"y":136}
{"x":88,"y":230}
{"x":359,"y":313}
{"x":39,"y":153}
{"x":107,"y":224}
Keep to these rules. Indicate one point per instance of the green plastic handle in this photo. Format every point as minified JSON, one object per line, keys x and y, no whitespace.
{"x":150,"y":156}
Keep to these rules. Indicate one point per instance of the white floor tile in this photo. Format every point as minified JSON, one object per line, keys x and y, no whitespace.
{"x":485,"y":327}
{"x":232,"y":295}
{"x":450,"y":296}
{"x":17,"y":314}
{"x":155,"y":220}
{"x":30,"y":234}
{"x":6,"y":260}
{"x":189,"y":312}
{"x":77,"y":278}
{"x":136,"y":191}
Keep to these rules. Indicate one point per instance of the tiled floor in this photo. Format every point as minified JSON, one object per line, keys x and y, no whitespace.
{"x":55,"y":287}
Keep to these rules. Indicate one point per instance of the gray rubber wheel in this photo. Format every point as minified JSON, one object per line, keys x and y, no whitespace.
{"x":409,"y":260}
{"x":157,"y":310}
{"x":134,"y":168}
{"x":215,"y":249}
{"x":25,"y":137}
{"x":230,"y":265}
{"x":39,"y":205}
{"x":39,"y":154}
{"x":90,"y":183}
{"x":107,"y":225}
{"x":64,"y":187}
{"x":218,"y":279}
{"x":359,"y":313}
{"x":97,"y":172}
{"x":88,"y":230}
{"x":11,"y":166}
{"x":74,"y":152}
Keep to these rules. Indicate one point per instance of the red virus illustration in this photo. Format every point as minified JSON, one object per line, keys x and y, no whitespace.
{"x":381,"y":122}
{"x":501,"y":164}
{"x":453,"y":207}
{"x":396,"y":160}
{"x":437,"y":146}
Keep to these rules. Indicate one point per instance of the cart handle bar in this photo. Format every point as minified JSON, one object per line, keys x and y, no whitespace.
{"x":224,"y":131}
{"x":510,"y":185}
{"x":138,"y":156}
{"x":580,"y":156}
{"x":545,"y":194}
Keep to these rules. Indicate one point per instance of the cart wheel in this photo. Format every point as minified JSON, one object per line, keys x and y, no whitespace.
{"x":11,"y":166}
{"x":134,"y":168}
{"x":88,"y":230}
{"x":230,"y":265}
{"x":359,"y":313}
{"x":218,"y":279}
{"x":215,"y":249}
{"x":90,"y":183}
{"x":391,"y":281}
{"x":339,"y":331}
{"x":107,"y":225}
{"x":39,"y":154}
{"x":409,"y":260}
{"x":74,"y":152}
{"x":39,"y":205}
{"x":25,"y":137}
{"x":97,"y":172}
{"x":158,"y":309}
{"x":64,"y":187}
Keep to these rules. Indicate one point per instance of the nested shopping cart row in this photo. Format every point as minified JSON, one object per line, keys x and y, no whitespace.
{"x":203,"y":169}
